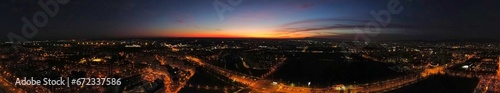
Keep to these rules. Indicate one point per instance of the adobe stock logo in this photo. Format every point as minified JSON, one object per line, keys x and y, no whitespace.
{"x":393,"y":7}
{"x":39,"y":19}
{"x":221,"y":7}
{"x":373,"y":28}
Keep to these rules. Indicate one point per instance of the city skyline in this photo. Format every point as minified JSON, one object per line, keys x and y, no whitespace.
{"x":192,"y":65}
{"x":243,"y":46}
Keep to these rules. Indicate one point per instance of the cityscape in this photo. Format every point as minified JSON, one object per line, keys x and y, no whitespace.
{"x":250,"y":46}
{"x":256,"y":65}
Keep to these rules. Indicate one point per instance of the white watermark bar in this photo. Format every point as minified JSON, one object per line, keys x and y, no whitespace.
{"x":30,"y":81}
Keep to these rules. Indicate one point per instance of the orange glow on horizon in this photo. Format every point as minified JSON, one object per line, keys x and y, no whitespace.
{"x":224,"y":33}
{"x":227,"y":34}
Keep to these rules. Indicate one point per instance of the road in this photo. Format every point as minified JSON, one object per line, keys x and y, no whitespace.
{"x":489,"y":83}
{"x":259,"y":84}
{"x":7,"y":87}
{"x":262,"y":85}
{"x":170,"y":87}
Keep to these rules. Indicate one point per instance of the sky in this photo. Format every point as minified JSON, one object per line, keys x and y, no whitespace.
{"x":334,"y":19}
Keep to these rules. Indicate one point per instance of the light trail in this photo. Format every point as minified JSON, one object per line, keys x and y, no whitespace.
{"x":8,"y":87}
{"x":273,"y":69}
{"x":169,"y":87}
{"x":262,"y":85}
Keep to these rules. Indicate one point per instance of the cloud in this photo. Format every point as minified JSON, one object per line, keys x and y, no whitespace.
{"x":313,"y":21}
{"x":336,"y":24}
{"x":307,"y":5}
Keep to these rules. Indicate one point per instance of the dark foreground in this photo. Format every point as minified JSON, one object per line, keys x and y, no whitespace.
{"x":441,"y":84}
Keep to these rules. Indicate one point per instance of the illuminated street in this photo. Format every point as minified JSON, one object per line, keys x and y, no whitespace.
{"x":6,"y":87}
{"x":250,"y":46}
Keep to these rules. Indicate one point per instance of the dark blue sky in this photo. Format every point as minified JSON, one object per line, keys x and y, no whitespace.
{"x":419,"y":20}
